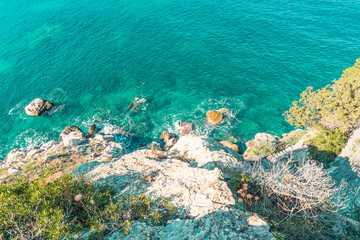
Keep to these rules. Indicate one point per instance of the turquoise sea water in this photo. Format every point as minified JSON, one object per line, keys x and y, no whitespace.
{"x":185,"y":57}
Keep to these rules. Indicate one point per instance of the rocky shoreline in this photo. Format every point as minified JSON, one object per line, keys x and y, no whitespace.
{"x":190,"y":171}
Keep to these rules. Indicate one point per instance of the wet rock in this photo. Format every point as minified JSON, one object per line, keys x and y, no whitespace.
{"x":186,"y":128}
{"x":214,"y":117}
{"x":37,"y":107}
{"x":72,"y":136}
{"x":92,"y":129}
{"x":230,"y":145}
{"x":168,"y":140}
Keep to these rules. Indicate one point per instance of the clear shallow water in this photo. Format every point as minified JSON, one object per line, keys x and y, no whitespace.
{"x":185,"y":57}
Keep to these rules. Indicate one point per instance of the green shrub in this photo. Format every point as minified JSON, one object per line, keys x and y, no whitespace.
{"x":33,"y":210}
{"x":326,"y":145}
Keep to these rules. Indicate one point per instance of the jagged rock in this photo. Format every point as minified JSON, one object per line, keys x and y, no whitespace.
{"x":230,"y":145}
{"x":207,"y":153}
{"x":72,"y":136}
{"x":214,"y":117}
{"x":92,"y":129}
{"x":168,"y":140}
{"x":37,"y":107}
{"x":186,"y":128}
{"x":218,"y":225}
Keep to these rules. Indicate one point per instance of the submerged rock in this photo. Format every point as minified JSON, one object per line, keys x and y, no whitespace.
{"x":72,"y":136}
{"x":92,"y":129}
{"x":37,"y":107}
{"x":214,"y":117}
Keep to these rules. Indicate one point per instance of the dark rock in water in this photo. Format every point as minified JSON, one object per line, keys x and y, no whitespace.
{"x":92,"y":130}
{"x":37,"y":107}
{"x":168,"y":140}
{"x":186,"y":129}
{"x":72,"y":136}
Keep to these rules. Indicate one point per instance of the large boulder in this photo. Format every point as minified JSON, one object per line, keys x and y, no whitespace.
{"x":72,"y":136}
{"x":37,"y":107}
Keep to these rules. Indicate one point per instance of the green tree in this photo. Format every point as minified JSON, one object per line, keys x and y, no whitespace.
{"x":334,"y":107}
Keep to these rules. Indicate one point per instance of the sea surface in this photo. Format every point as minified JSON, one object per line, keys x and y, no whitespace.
{"x":93,"y":58}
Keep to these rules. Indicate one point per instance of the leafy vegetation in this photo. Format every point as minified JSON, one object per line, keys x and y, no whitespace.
{"x":33,"y":210}
{"x":333,"y":107}
{"x":334,"y":111}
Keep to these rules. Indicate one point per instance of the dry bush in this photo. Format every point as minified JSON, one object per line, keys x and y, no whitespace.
{"x":298,"y":200}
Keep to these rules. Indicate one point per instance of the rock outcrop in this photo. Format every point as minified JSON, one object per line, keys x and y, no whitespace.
{"x":37,"y":107}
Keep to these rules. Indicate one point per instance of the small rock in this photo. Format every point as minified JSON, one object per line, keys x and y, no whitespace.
{"x":214,"y":117}
{"x":37,"y":107}
{"x":230,"y":145}
{"x":13,"y":171}
{"x":254,"y":220}
{"x":92,"y":130}
{"x":72,"y":136}
{"x":169,"y":140}
{"x":186,"y":129}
